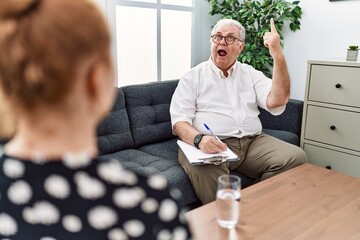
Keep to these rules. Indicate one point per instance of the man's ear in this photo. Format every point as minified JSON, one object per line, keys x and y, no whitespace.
{"x":241,"y":47}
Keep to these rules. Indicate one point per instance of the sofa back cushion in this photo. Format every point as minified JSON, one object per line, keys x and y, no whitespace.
{"x":113,"y":133}
{"x":148,"y":108}
{"x":290,"y":120}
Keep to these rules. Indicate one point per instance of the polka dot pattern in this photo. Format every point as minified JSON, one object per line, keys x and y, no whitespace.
{"x":164,"y":234}
{"x":75,"y":161}
{"x":102,"y":217}
{"x":47,"y":238}
{"x":134,"y":228}
{"x":149,"y":205}
{"x":57,"y":187}
{"x":117,"y":234}
{"x":88,"y":187}
{"x":168,"y":210}
{"x":128,"y":197}
{"x":41,"y":213}
{"x":13,"y":168}
{"x":157,"y":182}
{"x":72,"y":223}
{"x":19,"y":192}
{"x":8,"y":225}
{"x":112,"y":172}
{"x":180,"y":233}
{"x":86,"y":198}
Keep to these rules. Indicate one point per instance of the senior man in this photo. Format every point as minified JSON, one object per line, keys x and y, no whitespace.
{"x":225,"y":94}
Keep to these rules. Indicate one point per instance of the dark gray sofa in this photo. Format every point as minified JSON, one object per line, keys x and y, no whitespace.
{"x":137,"y":132}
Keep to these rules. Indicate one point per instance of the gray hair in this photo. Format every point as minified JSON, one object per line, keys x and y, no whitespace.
{"x":230,"y":22}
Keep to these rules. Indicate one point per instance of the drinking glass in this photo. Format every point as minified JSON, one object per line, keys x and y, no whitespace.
{"x":227,"y":200}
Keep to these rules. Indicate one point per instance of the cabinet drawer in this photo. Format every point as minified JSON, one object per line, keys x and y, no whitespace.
{"x":338,"y":161}
{"x":332,"y":126}
{"x":335,"y":84}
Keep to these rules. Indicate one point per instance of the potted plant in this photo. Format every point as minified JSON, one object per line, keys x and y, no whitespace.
{"x":255,"y":16}
{"x":352,"y":53}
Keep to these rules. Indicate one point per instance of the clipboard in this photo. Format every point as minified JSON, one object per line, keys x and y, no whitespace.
{"x":197,"y":157}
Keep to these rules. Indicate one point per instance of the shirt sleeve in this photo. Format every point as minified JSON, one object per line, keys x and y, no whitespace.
{"x":262,"y":86}
{"x":183,"y":102}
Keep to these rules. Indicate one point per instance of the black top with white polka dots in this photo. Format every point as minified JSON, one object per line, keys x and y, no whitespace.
{"x":83,"y":198}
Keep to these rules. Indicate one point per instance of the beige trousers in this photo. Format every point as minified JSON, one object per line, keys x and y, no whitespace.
{"x":261,"y":157}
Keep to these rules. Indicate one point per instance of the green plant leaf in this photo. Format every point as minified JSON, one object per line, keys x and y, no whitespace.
{"x":255,"y":16}
{"x":353,"y":48}
{"x":242,"y":58}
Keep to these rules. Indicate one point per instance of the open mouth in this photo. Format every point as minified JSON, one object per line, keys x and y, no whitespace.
{"x":222,"y":53}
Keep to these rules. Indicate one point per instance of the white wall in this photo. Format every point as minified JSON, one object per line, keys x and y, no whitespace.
{"x":101,"y":4}
{"x":327,"y":28}
{"x":203,"y":24}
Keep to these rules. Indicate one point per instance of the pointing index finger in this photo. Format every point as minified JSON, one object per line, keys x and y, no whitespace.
{"x":272,"y":26}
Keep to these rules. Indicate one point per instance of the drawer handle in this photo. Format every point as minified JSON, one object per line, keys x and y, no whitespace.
{"x":338,"y":85}
{"x":332,"y":127}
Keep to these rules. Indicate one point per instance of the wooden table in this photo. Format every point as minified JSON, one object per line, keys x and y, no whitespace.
{"x":307,"y":202}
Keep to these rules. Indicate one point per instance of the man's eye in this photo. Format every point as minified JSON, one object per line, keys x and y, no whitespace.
{"x":230,"y":38}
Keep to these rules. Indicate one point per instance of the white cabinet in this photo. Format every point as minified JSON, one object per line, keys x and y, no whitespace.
{"x":331,"y":119}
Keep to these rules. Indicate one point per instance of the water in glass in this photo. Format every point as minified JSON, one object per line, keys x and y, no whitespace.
{"x":227,"y":201}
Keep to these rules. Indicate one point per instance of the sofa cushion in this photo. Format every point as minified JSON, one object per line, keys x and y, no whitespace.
{"x":167,"y":149}
{"x":283,"y":135}
{"x":113,"y":133}
{"x":290,"y":120}
{"x":146,"y":161}
{"x":148,"y":108}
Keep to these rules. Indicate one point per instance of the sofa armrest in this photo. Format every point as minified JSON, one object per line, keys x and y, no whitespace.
{"x":289,"y":120}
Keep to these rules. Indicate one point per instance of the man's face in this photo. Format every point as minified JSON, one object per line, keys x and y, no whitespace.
{"x":222,"y":54}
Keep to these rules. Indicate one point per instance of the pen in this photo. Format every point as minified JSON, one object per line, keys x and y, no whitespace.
{"x":211,"y":132}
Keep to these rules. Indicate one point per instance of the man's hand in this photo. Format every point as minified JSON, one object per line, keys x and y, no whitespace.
{"x":280,"y":90}
{"x":272,"y":40}
{"x":209,"y":144}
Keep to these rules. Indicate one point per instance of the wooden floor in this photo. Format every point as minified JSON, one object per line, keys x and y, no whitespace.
{"x":307,"y":202}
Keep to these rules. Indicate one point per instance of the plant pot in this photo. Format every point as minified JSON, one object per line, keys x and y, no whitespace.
{"x":352,"y":55}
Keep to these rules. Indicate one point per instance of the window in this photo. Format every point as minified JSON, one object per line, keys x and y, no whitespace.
{"x":152,"y":39}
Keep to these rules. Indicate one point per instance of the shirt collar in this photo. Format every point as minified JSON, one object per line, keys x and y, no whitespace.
{"x":219,"y":73}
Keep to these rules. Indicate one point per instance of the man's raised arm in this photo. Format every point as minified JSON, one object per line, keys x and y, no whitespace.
{"x":280,"y":90}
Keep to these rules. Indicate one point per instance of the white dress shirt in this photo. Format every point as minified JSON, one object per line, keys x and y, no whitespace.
{"x":228,"y":105}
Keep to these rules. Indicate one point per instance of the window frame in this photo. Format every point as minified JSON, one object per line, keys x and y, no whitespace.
{"x":111,"y":18}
